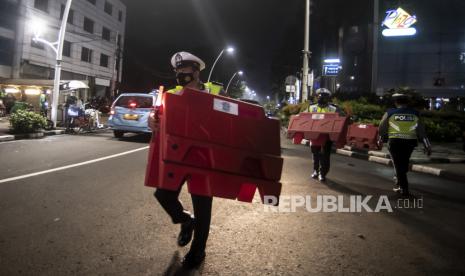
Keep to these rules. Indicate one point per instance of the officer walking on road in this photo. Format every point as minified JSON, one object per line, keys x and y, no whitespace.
{"x":321,"y":154}
{"x":187,"y":68}
{"x":402,"y":127}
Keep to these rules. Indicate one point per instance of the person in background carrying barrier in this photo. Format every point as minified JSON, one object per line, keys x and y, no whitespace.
{"x":187,"y":68}
{"x":321,"y":154}
{"x":402,"y":127}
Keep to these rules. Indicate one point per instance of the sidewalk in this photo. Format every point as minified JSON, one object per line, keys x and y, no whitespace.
{"x":4,"y":130}
{"x":447,"y":160}
{"x":6,"y":136}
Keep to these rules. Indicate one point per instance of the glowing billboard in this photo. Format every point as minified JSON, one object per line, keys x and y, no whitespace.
{"x":399,"y":23}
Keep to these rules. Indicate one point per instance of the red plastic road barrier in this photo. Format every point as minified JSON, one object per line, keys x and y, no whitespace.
{"x":318,"y":128}
{"x":363,"y":136}
{"x":220,"y":146}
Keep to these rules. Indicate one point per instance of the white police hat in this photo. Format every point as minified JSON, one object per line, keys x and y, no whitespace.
{"x":181,"y":59}
{"x":399,"y":95}
{"x":323,"y":91}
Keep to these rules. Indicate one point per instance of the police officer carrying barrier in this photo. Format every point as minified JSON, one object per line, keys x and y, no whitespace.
{"x":187,"y":68}
{"x":321,"y":154}
{"x":402,"y":127}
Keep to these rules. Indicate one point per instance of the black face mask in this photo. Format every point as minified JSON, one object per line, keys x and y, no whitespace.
{"x":184,"y":78}
{"x":323,"y":100}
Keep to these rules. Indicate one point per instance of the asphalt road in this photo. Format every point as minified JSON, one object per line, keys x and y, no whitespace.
{"x":97,"y":218}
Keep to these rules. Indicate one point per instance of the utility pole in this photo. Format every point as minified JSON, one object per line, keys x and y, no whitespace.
{"x":114,"y":74}
{"x":374,"y":58}
{"x":306,"y":53}
{"x":59,"y":57}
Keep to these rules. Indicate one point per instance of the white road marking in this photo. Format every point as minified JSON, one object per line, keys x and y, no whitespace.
{"x":72,"y":165}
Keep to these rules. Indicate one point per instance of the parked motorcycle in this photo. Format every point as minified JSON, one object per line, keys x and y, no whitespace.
{"x":83,"y":119}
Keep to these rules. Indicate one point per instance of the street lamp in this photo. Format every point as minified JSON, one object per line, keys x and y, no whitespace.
{"x":229,"y":50}
{"x":230,"y":80}
{"x":57,"y":47}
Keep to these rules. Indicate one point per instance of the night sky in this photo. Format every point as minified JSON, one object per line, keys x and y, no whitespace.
{"x":157,"y":29}
{"x":267,"y":34}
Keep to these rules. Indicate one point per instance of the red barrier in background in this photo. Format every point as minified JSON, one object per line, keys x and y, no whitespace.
{"x":363,"y":136}
{"x":318,"y":128}
{"x":220,"y":146}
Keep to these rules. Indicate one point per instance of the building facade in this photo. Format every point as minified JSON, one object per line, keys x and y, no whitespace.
{"x":92,"y":50}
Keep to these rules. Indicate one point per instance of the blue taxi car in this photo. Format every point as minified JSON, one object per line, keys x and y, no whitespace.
{"x":130,"y":113}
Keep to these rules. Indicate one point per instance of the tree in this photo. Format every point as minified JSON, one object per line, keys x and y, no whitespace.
{"x":236,"y":91}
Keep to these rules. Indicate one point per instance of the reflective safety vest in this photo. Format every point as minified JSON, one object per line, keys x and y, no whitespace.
{"x":42,"y":99}
{"x":317,"y":109}
{"x":179,"y":88}
{"x":213,"y":88}
{"x":403,"y":124}
{"x":175,"y":90}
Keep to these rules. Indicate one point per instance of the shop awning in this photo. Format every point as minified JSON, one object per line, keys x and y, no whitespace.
{"x":44,"y":83}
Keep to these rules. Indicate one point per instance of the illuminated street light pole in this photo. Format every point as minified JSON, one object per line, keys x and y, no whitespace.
{"x":58,"y":49}
{"x":230,"y":80}
{"x":229,"y":50}
{"x":306,"y":52}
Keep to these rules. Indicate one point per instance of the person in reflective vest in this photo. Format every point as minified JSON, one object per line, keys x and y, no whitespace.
{"x":187,"y":68}
{"x":321,"y":153}
{"x":215,"y":88}
{"x":43,"y":104}
{"x":402,"y":127}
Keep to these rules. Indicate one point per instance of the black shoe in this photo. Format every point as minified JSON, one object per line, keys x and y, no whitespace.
{"x":315,"y":175}
{"x":397,"y":189}
{"x":185,"y":235}
{"x":193,"y":259}
{"x":322,"y":178}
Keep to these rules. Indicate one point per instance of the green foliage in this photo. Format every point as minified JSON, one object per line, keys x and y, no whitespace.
{"x":291,"y":109}
{"x":23,"y":121}
{"x":361,"y":111}
{"x":441,"y":131}
{"x":20,"y":106}
{"x":236,"y":92}
{"x":441,"y":126}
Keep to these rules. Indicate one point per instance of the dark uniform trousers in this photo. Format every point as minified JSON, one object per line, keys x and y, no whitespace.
{"x":401,"y":150}
{"x":321,"y":157}
{"x":202,"y":212}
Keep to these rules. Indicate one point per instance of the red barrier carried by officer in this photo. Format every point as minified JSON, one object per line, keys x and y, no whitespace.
{"x":222,"y":147}
{"x":318,"y":127}
{"x":363,"y":136}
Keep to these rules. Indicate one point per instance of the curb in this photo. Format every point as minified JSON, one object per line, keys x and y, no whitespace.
{"x":379,"y":154}
{"x":5,"y":138}
{"x":413,"y":160}
{"x":38,"y":135}
{"x":353,"y":154}
{"x":29,"y":136}
{"x":426,"y":169}
{"x":54,"y":132}
{"x":380,"y":160}
{"x":414,"y":167}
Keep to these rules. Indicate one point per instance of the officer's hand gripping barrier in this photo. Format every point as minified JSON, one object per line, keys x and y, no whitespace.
{"x":363,"y":136}
{"x":221,"y":147}
{"x":318,"y":128}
